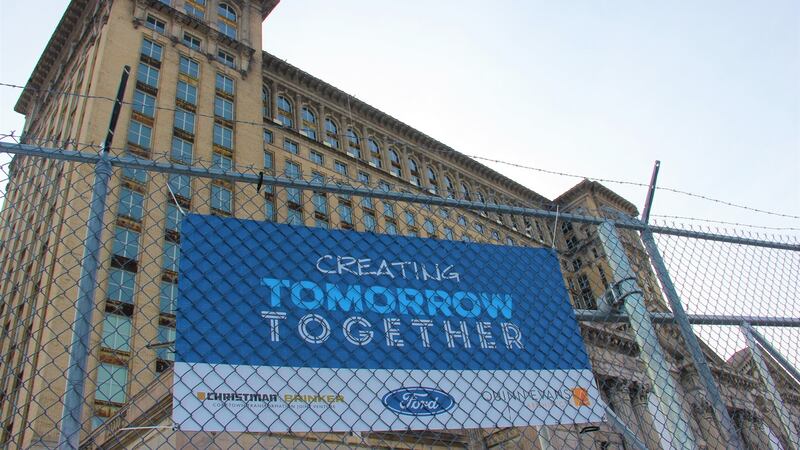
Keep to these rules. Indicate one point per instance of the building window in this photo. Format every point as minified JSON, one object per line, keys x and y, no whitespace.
{"x":136,"y":175}
{"x":394,"y":160}
{"x":448,"y":233}
{"x":223,"y":136}
{"x":285,"y":112}
{"x":152,"y":50}
{"x":221,"y":199}
{"x":266,"y":111}
{"x":189,"y":67}
{"x":184,"y":120}
{"x":126,"y":243}
{"x":294,"y":216}
{"x":139,"y":134}
{"x":191,"y":41}
{"x":173,"y":219}
{"x":353,"y":144}
{"x":180,"y":185}
{"x":224,"y":84}
{"x":186,"y":92}
{"x":495,"y":235}
{"x":269,"y":161}
{"x":309,"y":123}
{"x":345,"y":213}
{"x":375,"y":158}
{"x":223,"y":108}
{"x":391,"y":228}
{"x":320,"y":201}
{"x":166,"y":334}
{"x":121,"y":285}
{"x":116,"y":332}
{"x":155,"y":24}
{"x":448,"y":186}
{"x":268,"y":136}
{"x":221,"y":162}
{"x":478,"y":227}
{"x":414,"y":171}
{"x":147,"y":75}
{"x":111,"y":382}
{"x":144,"y":104}
{"x":316,"y":157}
{"x":340,"y":168}
{"x":195,"y":8}
{"x":172,"y":254}
{"x":388,"y":209}
{"x":331,"y":133}
{"x":226,"y":58}
{"x":433,"y":183}
{"x":181,"y":151}
{"x":369,"y":221}
{"x":465,"y":192}
{"x":227,"y":20}
{"x":292,"y":170}
{"x":509,"y":241}
{"x":586,"y":299}
{"x":429,"y":228}
{"x":291,"y":147}
{"x":130,"y":204}
{"x":411,"y":220}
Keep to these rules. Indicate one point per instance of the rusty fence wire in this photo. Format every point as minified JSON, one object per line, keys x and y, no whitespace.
{"x":691,"y":334}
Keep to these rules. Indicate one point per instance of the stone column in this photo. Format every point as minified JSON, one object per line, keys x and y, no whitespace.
{"x":619,"y":394}
{"x":640,"y":396}
{"x":704,"y":413}
{"x":752,"y":428}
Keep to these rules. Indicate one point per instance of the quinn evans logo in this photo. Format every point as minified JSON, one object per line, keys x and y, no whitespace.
{"x":418,"y":401}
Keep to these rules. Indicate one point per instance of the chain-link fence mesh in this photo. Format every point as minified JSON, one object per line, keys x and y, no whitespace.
{"x":642,"y":370}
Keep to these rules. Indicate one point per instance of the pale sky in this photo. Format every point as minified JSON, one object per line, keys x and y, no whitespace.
{"x":595,"y":88}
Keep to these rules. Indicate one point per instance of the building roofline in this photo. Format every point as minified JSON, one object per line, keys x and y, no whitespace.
{"x":54,"y":48}
{"x":587,"y":185}
{"x":272,"y":62}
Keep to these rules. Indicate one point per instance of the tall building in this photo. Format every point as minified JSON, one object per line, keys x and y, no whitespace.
{"x":203,"y":92}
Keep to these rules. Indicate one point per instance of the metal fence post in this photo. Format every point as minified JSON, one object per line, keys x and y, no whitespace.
{"x":771,"y":391}
{"x":650,"y":350}
{"x":82,"y":326}
{"x":682,"y":320}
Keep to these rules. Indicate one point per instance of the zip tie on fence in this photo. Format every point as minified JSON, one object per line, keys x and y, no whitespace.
{"x":260,"y":182}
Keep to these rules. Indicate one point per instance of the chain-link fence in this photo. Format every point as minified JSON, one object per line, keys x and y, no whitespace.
{"x":309,"y":304}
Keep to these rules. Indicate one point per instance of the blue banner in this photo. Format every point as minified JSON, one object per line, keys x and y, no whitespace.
{"x":267,"y":294}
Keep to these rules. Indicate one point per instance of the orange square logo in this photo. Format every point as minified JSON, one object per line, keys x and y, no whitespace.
{"x":201,"y":396}
{"x":580,"y":397}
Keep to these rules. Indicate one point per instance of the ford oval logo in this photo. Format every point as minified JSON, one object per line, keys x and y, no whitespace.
{"x":418,"y":401}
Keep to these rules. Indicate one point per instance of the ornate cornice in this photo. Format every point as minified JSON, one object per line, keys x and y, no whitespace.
{"x":274,"y":65}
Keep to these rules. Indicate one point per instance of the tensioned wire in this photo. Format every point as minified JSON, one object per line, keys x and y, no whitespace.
{"x":476,"y":157}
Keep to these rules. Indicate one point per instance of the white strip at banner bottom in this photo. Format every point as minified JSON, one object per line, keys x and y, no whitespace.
{"x":240,"y":398}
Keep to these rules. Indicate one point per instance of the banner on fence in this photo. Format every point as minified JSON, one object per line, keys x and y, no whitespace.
{"x":288,"y":328}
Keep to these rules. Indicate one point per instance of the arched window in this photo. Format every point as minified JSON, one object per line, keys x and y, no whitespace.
{"x":285,"y":112}
{"x":433,"y":183}
{"x":413,"y":169}
{"x":394,"y":160}
{"x":448,"y":186}
{"x":465,"y":192}
{"x":227,"y":20}
{"x":266,"y":108}
{"x":353,"y":144}
{"x":331,"y":133}
{"x":308,"y":123}
{"x":375,"y":159}
{"x":479,"y":197}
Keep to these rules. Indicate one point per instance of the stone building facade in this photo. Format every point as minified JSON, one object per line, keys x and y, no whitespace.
{"x":203,"y":92}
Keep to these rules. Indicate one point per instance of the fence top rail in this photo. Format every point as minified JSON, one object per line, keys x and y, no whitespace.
{"x":630,"y":223}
